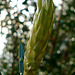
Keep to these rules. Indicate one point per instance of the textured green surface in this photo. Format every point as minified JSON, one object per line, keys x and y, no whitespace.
{"x":40,"y":33}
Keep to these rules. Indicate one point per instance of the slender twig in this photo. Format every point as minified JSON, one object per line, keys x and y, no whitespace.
{"x":54,"y":38}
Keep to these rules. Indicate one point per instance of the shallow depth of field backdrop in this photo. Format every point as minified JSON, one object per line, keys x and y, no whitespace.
{"x":16,"y":21}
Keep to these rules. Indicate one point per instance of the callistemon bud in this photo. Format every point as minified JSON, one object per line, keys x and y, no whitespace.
{"x":40,"y":33}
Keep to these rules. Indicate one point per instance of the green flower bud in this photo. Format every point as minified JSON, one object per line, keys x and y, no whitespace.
{"x":40,"y":33}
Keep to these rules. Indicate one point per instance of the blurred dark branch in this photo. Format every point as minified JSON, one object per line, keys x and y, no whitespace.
{"x":54,"y":38}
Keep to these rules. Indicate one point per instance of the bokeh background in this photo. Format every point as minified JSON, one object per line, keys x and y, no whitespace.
{"x":16,"y":21}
